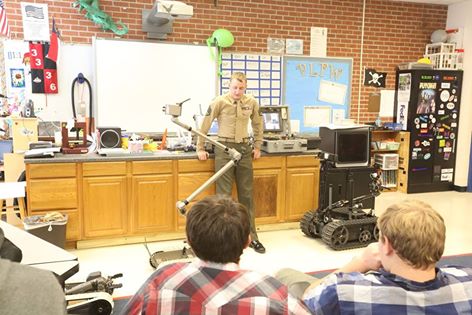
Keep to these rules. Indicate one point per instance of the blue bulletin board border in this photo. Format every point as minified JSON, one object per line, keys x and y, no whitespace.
{"x":311,"y":83}
{"x":263,"y":72}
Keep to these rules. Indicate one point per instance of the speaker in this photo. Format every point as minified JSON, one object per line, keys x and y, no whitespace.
{"x":110,"y":137}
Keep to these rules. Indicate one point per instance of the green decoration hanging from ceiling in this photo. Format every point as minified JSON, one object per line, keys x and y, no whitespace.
{"x":99,"y":17}
{"x":222,"y":38}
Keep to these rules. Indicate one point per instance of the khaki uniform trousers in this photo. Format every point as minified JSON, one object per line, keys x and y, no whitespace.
{"x":243,"y":174}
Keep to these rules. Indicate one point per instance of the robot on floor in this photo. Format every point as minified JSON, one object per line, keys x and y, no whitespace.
{"x":186,"y":253}
{"x":345,"y":224}
{"x":94,"y":296}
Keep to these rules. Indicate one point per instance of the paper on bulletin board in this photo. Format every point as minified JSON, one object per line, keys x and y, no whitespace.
{"x":318,"y":41}
{"x":386,"y":103}
{"x":294,"y":125}
{"x":332,"y":92}
{"x":338,"y":116}
{"x":315,"y":116}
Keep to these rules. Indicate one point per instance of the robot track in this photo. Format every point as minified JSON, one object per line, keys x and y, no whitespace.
{"x":307,"y":224}
{"x":348,"y":234}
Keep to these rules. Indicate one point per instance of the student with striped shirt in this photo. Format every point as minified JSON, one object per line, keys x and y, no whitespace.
{"x":397,"y":275}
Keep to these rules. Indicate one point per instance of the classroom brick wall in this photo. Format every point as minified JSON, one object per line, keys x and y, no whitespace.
{"x":395,"y":31}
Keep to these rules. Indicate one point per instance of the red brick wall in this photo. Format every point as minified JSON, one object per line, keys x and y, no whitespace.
{"x":395,"y":31}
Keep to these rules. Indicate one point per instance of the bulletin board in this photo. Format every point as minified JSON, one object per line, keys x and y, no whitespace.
{"x":317,"y":90}
{"x":136,"y":79}
{"x":263,"y":72}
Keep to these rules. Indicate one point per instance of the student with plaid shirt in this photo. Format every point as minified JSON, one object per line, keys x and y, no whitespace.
{"x":218,"y":231}
{"x":398,"y":275}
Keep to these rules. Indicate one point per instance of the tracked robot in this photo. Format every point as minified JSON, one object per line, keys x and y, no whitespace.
{"x":345,"y":224}
{"x":345,"y":218}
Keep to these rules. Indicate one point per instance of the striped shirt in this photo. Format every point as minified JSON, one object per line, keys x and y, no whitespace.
{"x":209,"y":288}
{"x":381,"y":292}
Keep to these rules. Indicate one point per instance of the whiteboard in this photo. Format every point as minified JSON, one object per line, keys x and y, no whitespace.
{"x":136,"y":79}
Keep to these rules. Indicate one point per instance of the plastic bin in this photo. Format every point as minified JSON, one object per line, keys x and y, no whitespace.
{"x":53,"y":231}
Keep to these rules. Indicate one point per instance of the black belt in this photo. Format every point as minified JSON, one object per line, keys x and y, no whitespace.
{"x":231,"y":140}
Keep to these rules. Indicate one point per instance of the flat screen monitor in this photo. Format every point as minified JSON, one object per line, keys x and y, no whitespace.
{"x":213,"y":131}
{"x":272,"y":121}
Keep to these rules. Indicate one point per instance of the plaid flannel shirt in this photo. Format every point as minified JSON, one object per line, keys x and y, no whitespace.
{"x":385,"y":293}
{"x":208,"y":288}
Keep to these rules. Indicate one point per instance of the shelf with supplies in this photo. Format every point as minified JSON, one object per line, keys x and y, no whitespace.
{"x":388,"y":153}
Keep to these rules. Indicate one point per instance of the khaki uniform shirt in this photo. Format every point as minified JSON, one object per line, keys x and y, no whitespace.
{"x":233,"y":118}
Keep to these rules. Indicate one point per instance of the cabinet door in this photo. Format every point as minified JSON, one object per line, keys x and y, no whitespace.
{"x":187,"y":184}
{"x":153,"y":205}
{"x":302,"y":191}
{"x":268,"y":195}
{"x":52,"y":194}
{"x":105,"y":206}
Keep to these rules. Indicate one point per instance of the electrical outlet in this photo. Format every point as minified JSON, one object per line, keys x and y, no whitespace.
{"x":38,"y":108}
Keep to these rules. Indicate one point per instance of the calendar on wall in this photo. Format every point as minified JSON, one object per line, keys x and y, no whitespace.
{"x":263,"y":72}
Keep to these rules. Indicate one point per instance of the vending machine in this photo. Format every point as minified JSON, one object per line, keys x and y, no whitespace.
{"x":427,"y":104}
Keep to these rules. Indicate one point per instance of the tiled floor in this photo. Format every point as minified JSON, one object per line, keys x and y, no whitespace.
{"x":286,"y":248}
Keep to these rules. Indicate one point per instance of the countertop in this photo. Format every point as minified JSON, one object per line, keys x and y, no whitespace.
{"x":160,"y":155}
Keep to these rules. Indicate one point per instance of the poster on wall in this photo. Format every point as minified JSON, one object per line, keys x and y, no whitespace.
{"x":16,"y":74}
{"x":35,"y":21}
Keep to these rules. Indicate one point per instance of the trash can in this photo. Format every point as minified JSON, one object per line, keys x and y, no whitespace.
{"x":50,"y":227}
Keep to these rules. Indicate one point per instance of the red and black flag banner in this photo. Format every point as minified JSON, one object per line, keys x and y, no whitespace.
{"x":43,"y":62}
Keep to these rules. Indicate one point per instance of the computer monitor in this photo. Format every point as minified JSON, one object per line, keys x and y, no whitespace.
{"x":6,"y":146}
{"x":272,"y":121}
{"x":213,"y":131}
{"x":350,"y":145}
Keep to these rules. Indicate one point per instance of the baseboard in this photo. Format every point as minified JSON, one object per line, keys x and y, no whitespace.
{"x":460,"y":188}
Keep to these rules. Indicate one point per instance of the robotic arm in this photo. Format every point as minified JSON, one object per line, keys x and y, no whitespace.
{"x":176,"y":111}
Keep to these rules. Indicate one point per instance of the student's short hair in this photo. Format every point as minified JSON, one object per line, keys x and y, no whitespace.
{"x":416,"y":232}
{"x":241,"y":77}
{"x":218,"y":229}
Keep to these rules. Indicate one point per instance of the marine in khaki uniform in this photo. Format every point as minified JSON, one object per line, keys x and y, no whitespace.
{"x":233,"y":112}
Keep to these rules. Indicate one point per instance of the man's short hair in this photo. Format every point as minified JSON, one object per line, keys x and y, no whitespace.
{"x":241,"y":77}
{"x":218,"y":229}
{"x":416,"y":232}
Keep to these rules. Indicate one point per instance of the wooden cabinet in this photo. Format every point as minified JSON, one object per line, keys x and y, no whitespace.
{"x":152,"y":197}
{"x":124,"y":199}
{"x":302,"y":186}
{"x":54,"y":187}
{"x":105,"y":207}
{"x":269,"y":185}
{"x":191,"y":175}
